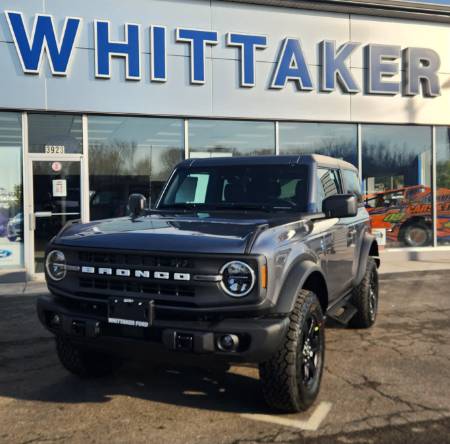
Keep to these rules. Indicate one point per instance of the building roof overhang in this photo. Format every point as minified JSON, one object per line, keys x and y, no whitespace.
{"x":411,"y":10}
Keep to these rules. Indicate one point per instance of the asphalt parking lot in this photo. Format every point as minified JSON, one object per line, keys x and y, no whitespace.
{"x":385,"y":385}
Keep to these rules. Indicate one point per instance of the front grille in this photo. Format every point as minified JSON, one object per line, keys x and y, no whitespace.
{"x":136,"y":287}
{"x":105,"y":286}
{"x":168,"y":292}
{"x":120,"y":259}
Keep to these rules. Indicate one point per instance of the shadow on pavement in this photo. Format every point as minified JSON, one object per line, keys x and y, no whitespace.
{"x":30,"y":370}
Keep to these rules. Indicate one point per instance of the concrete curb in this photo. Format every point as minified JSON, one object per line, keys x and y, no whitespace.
{"x":412,"y":274}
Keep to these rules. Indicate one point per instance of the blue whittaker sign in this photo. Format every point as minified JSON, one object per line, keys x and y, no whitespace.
{"x":418,"y":67}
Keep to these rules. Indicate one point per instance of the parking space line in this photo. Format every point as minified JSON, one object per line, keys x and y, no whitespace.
{"x":312,"y":424}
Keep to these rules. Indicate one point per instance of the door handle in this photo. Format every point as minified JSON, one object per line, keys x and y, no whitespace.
{"x":32,"y":222}
{"x":326,"y":244}
{"x":351,"y":234}
{"x":43,"y":214}
{"x":33,"y":217}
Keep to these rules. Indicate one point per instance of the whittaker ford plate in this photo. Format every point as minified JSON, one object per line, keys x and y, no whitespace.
{"x":130,"y":311}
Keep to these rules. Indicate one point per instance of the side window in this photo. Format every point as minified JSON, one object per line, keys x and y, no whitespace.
{"x":352,"y":184}
{"x":330,"y":182}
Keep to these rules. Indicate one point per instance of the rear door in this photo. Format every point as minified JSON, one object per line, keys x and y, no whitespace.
{"x":336,"y":239}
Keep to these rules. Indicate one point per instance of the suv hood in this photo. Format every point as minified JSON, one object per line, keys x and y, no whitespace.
{"x":194,"y":234}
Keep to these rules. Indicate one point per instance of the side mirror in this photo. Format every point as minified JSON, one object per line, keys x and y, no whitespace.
{"x":136,"y":204}
{"x":340,"y":205}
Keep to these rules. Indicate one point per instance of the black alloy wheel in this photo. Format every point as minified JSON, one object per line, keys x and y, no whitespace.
{"x":310,"y":355}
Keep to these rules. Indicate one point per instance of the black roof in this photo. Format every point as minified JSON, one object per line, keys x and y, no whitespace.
{"x":268,"y":160}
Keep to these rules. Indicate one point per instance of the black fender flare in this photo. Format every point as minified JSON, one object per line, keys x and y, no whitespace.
{"x":297,"y":276}
{"x":369,"y":248}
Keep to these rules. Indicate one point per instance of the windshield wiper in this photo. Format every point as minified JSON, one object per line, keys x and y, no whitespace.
{"x":249,"y":207}
{"x":225,"y":206}
{"x":180,"y":207}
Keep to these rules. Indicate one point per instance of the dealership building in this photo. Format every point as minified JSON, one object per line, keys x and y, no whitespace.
{"x":102,"y":98}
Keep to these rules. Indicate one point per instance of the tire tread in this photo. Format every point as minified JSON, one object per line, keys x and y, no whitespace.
{"x":360,"y":298}
{"x":278,"y":374}
{"x":82,"y":363}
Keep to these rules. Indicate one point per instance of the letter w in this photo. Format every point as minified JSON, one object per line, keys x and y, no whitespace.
{"x":30,"y":51}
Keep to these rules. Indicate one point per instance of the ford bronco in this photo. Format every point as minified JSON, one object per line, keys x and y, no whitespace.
{"x":240,"y":260}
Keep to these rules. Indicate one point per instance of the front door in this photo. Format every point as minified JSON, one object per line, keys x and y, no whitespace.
{"x":56,"y":186}
{"x":338,"y":241}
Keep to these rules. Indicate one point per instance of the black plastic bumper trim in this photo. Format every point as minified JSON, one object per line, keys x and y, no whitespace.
{"x":264,"y":334}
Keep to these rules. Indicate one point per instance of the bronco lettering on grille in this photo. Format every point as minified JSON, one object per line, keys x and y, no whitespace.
{"x":142,"y":274}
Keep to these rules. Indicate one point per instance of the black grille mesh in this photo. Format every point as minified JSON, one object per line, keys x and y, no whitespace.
{"x":136,"y":287}
{"x":119,"y":259}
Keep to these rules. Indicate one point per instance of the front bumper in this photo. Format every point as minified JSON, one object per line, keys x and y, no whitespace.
{"x":259,"y":338}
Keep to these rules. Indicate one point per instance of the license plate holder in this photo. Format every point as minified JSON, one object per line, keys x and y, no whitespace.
{"x":132,"y":312}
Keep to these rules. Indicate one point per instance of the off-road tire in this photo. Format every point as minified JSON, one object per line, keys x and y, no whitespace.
{"x":366,"y":315}
{"x":281,"y":376}
{"x":83,"y":363}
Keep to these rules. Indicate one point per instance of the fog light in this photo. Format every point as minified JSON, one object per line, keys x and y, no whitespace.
{"x":228,"y":343}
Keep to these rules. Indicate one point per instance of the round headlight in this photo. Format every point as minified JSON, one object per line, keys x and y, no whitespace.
{"x":55,"y":265}
{"x":238,"y":279}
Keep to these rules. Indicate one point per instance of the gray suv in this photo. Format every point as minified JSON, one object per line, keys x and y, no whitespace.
{"x":240,"y":260}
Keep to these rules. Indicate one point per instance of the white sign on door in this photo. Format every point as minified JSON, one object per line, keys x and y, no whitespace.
{"x":380,"y":235}
{"x":59,"y":188}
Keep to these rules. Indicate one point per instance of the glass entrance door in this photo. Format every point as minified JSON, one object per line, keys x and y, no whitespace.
{"x":56,"y":200}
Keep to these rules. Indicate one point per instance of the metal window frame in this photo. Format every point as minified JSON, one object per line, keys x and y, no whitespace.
{"x":186,"y":139}
{"x":277,"y":137}
{"x":434,"y":184}
{"x":27,"y":181}
{"x":359,"y":149}
{"x":84,"y":180}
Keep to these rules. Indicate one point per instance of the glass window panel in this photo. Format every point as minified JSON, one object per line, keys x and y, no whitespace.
{"x":396,"y":163}
{"x":130,"y":155}
{"x":329,"y":183}
{"x":225,"y":138}
{"x":330,"y":139}
{"x":352,"y":184}
{"x":11,"y":198}
{"x":55,"y":134}
{"x":233,"y":187}
{"x":443,"y":184}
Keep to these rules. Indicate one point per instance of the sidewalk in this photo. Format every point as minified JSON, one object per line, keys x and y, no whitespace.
{"x":404,"y":261}
{"x":29,"y":288}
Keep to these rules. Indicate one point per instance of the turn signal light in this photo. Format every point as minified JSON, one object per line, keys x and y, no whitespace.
{"x":264,"y":276}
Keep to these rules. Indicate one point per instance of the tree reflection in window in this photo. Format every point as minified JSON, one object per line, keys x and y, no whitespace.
{"x":130,"y":155}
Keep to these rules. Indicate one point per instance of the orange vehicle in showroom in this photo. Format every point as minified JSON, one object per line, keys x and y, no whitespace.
{"x":406,"y":214}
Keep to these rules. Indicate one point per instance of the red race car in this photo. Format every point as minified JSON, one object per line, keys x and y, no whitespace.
{"x":406,"y":214}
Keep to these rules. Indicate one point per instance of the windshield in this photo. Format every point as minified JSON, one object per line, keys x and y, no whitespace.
{"x":248,"y":187}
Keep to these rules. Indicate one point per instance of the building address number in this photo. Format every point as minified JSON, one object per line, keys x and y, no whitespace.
{"x":54,"y":149}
